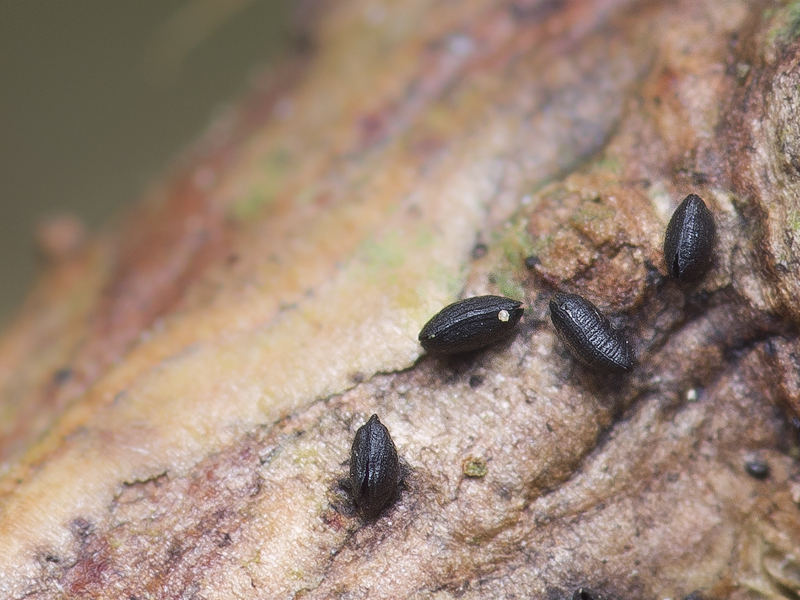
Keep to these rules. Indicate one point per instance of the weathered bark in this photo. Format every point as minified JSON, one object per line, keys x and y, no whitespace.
{"x":179,"y":395}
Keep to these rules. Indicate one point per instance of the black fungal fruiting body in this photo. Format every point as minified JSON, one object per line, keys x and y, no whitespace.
{"x":757,"y":469}
{"x":471,"y":324}
{"x":689,"y":241}
{"x":374,"y":468}
{"x":589,"y":335}
{"x":532,"y":261}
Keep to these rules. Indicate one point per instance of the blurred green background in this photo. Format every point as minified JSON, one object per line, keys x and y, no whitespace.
{"x":96,"y":97}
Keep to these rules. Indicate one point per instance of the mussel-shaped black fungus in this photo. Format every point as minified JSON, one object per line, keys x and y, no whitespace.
{"x":471,"y":324}
{"x":374,"y":468}
{"x":689,"y":242}
{"x":589,"y":335}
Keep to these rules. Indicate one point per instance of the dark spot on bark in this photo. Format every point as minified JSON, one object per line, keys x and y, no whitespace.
{"x":654,"y":277}
{"x":583,"y":593}
{"x":757,"y":469}
{"x":535,"y":12}
{"x":81,"y":528}
{"x":532,"y":261}
{"x":479,"y":251}
{"x":461,"y":589}
{"x":554,"y":593}
{"x":62,"y":376}
{"x":475,"y":381}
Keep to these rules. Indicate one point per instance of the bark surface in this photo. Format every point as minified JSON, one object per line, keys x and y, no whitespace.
{"x":179,"y":396}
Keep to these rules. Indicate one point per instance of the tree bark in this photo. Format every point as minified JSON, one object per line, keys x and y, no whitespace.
{"x":179,"y":395}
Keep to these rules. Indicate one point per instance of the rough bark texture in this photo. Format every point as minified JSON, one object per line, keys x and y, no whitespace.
{"x":179,"y":396}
